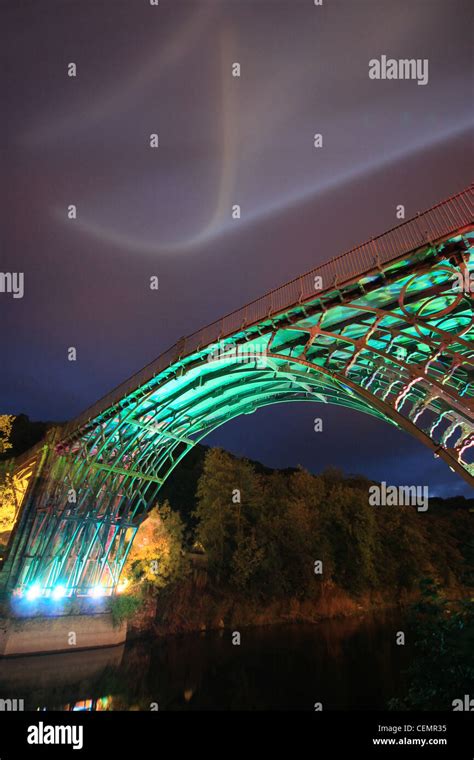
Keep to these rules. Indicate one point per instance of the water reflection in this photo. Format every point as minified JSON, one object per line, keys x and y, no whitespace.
{"x":91,"y":705}
{"x":344,"y":664}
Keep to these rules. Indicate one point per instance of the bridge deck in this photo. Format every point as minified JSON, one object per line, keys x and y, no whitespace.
{"x":427,"y":228}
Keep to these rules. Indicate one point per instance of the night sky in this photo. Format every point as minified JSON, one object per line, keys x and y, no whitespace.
{"x":222,"y":140}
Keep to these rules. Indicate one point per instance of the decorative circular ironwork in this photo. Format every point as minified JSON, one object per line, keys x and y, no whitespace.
{"x":421,"y":323}
{"x":458,"y":297}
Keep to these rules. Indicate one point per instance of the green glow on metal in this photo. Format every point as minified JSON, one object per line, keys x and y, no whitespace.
{"x":396,"y":343}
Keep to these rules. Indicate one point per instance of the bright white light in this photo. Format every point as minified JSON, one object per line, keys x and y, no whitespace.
{"x":97,"y":592}
{"x":33,"y":592}
{"x":58,"y":592}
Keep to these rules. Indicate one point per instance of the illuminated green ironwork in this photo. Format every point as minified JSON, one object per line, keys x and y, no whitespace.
{"x":385,"y":329}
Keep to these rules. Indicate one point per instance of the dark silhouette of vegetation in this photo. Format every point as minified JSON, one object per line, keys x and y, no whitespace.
{"x":124,"y":607}
{"x":443,"y":669}
{"x":264,"y":532}
{"x":24,"y":434}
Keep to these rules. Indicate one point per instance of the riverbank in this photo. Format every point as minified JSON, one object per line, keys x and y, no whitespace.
{"x":190,"y":608}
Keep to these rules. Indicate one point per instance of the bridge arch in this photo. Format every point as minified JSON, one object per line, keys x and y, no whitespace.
{"x":387,"y":335}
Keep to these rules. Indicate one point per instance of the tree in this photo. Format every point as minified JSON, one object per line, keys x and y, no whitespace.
{"x":443,"y":669}
{"x":246,"y":561}
{"x":401,"y":552}
{"x":351,"y":529}
{"x":300,"y":539}
{"x":229,"y":499}
{"x":157,"y":554}
{"x":8,"y":504}
{"x":8,"y":500}
{"x":6,"y":422}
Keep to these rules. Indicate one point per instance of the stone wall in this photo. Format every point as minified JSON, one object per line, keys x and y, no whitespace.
{"x":58,"y":634}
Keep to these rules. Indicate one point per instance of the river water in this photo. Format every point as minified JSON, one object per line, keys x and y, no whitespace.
{"x":352,"y":663}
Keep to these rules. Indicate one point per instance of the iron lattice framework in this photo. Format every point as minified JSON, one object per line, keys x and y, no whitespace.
{"x":386,"y":329}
